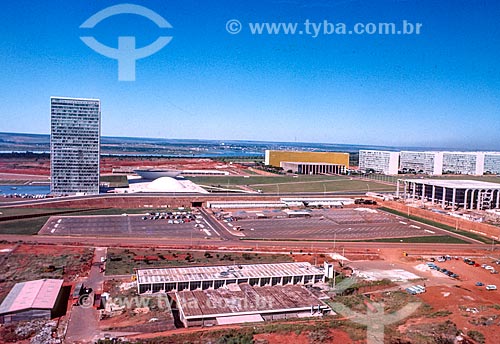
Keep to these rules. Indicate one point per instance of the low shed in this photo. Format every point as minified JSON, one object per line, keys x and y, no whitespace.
{"x":31,"y":300}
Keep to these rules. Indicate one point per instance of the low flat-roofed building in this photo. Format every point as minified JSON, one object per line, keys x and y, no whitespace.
{"x":467,"y":194}
{"x":317,"y":201}
{"x":245,"y":204}
{"x":213,"y":277}
{"x":313,"y":162}
{"x":245,"y":303}
{"x":204,"y":173}
{"x":31,"y":300}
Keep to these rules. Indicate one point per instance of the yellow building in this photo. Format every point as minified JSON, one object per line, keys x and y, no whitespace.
{"x":308,"y":162}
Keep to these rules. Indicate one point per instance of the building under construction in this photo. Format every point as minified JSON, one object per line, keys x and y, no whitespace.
{"x":214,"y":277}
{"x":466,"y":194}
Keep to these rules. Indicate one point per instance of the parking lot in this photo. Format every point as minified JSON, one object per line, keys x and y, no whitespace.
{"x":327,"y":224}
{"x":182,"y":225}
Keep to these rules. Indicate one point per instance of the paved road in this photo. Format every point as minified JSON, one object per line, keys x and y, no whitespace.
{"x":83,"y":326}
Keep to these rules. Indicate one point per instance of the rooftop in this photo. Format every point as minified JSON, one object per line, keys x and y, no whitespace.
{"x":459,"y":184}
{"x":38,"y":294}
{"x":247,"y":300}
{"x":225,"y":272}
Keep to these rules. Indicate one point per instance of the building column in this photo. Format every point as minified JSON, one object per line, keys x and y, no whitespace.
{"x":397,"y":188}
{"x":405,"y":189}
{"x":454,"y":195}
{"x":414,"y":190}
{"x":423,"y":194}
{"x":433,"y":197}
{"x":498,"y":199}
{"x":465,"y":199}
{"x":444,"y":198}
{"x":478,"y":199}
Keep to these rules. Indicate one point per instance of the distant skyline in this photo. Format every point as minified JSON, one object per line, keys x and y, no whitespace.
{"x":440,"y":88}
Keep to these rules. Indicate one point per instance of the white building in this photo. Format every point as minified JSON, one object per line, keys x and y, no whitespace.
{"x":463,"y":163}
{"x":380,"y":161}
{"x":492,"y":162}
{"x":437,"y":163}
{"x":74,"y":145}
{"x":422,"y":162}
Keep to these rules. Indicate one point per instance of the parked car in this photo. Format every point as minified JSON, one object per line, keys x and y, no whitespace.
{"x":491,"y":287}
{"x":479,"y":284}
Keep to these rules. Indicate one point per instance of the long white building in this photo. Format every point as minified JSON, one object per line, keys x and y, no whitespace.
{"x":492,"y":162}
{"x":422,"y":162}
{"x":74,"y":145}
{"x":380,"y":161}
{"x":430,"y":162}
{"x":463,"y":163}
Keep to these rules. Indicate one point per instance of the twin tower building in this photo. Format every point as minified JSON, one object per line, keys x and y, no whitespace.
{"x":75,"y":137}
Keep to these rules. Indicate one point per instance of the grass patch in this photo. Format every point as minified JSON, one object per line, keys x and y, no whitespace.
{"x":257,"y":179}
{"x":438,"y":225}
{"x":290,"y":184}
{"x":476,"y":335}
{"x":439,"y":314}
{"x":435,"y":239}
{"x":25,"y":227}
{"x":439,"y":239}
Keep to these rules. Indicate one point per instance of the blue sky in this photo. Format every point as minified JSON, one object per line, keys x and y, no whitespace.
{"x":440,"y":88}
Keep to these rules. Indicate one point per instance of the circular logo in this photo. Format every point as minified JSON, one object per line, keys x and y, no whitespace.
{"x":85,"y":301}
{"x":233,"y":26}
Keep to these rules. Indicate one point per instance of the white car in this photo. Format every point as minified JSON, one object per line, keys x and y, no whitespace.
{"x":491,"y":287}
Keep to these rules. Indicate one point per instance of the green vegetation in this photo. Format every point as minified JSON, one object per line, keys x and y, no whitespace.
{"x":476,"y":335}
{"x":440,"y":314}
{"x":124,"y":261}
{"x":7,"y":212}
{"x":300,"y":183}
{"x":24,"y":227}
{"x":440,"y":239}
{"x":257,"y":179}
{"x":438,"y":225}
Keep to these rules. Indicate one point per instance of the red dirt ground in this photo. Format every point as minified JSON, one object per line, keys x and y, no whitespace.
{"x":291,"y":337}
{"x":41,"y":166}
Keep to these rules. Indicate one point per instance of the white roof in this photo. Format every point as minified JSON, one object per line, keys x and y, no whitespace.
{"x":166,"y":184}
{"x":74,"y":98}
{"x":38,"y":294}
{"x":457,"y":184}
{"x":225,"y":272}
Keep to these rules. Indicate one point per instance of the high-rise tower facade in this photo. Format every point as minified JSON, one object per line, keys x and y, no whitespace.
{"x":75,"y":136}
